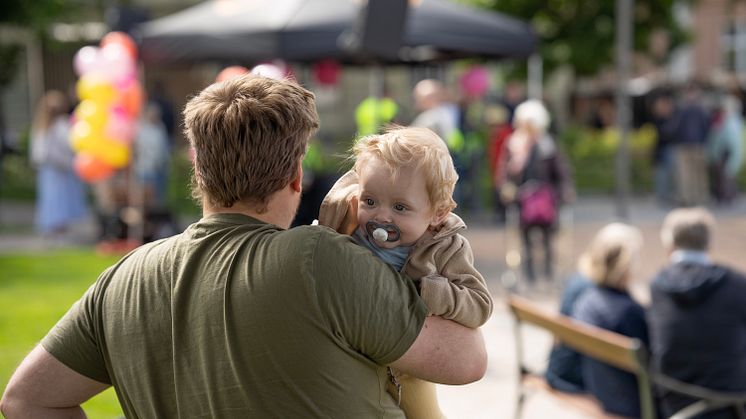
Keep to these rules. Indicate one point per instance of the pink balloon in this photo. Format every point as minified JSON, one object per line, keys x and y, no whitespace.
{"x":86,"y":60}
{"x":231,"y":72}
{"x":120,"y":127}
{"x":475,"y":82}
{"x":116,"y":63}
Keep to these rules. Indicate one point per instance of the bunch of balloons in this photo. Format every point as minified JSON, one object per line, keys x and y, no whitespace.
{"x":111,"y":98}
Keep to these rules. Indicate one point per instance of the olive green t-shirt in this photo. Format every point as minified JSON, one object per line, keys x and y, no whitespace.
{"x":239,"y":318}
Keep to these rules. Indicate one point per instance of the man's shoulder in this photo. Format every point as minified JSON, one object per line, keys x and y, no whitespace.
{"x":735,"y":278}
{"x":321,"y":237}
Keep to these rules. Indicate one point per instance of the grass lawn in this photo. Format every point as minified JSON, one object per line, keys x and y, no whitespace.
{"x":35,"y":291}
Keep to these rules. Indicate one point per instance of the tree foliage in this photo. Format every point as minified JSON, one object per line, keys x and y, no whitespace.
{"x":37,"y":14}
{"x":581,"y":33}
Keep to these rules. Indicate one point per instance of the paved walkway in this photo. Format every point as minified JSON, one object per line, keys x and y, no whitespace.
{"x":494,"y":396}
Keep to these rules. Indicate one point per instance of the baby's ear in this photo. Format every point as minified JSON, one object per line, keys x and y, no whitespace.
{"x":439,"y":216}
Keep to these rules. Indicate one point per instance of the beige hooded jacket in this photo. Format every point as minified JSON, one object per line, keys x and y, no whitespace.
{"x":441,"y":260}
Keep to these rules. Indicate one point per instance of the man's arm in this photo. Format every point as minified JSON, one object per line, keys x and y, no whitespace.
{"x":445,"y":352}
{"x":43,"y":387}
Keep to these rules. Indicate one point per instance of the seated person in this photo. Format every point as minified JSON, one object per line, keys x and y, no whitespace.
{"x":564,"y":371}
{"x":608,"y":305}
{"x":397,"y":202}
{"x":697,"y":315}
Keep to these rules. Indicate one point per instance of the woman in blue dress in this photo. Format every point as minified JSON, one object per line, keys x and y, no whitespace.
{"x":60,"y":194}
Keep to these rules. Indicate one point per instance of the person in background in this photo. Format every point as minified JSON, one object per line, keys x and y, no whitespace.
{"x":662,"y":110}
{"x":159,"y":99}
{"x":564,"y":371}
{"x":536,"y":177}
{"x":725,"y":150}
{"x":438,"y":113}
{"x":500,"y":128}
{"x":240,"y":316}
{"x":610,"y":263}
{"x":60,"y":193}
{"x":151,"y":154}
{"x":697,"y":315}
{"x":691,"y":127}
{"x":514,"y":94}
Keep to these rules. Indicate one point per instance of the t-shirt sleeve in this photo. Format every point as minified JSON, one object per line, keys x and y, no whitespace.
{"x":371,"y":307}
{"x":73,"y":340}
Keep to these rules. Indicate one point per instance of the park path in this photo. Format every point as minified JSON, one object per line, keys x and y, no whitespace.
{"x":494,"y":395}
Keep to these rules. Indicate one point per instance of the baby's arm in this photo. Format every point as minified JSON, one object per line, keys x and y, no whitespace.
{"x":339,"y":208}
{"x":457,"y":291}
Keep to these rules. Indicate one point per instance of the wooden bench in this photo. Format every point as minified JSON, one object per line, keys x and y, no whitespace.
{"x":623,"y":352}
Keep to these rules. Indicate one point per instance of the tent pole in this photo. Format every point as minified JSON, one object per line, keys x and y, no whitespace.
{"x":535,"y":76}
{"x":624,"y":22}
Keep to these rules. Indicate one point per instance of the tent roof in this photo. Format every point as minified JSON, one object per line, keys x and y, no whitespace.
{"x":309,"y":30}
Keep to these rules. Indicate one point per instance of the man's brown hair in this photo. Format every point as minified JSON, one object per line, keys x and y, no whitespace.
{"x":687,"y":229}
{"x":248,"y":134}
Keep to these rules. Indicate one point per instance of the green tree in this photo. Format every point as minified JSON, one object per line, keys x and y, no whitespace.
{"x":34,"y":15}
{"x":581,"y":33}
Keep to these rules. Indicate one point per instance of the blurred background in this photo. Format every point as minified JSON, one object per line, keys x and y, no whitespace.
{"x":93,"y":161}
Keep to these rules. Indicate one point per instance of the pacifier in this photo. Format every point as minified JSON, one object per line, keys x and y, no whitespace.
{"x":382,"y":232}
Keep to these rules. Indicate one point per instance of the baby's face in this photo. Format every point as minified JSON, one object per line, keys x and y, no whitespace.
{"x":402,"y":201}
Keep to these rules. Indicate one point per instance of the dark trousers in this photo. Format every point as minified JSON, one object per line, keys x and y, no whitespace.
{"x":529,"y":249}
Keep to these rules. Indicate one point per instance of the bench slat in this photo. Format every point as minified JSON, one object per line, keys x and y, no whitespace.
{"x":606,"y":346}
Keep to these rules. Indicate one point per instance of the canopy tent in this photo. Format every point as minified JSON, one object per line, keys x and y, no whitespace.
{"x":309,"y":30}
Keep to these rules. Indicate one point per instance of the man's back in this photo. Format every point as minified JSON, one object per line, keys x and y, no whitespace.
{"x":697,"y":312}
{"x":697,"y":324}
{"x":236,"y":317}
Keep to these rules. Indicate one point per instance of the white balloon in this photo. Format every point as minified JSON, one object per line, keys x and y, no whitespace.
{"x":86,"y":60}
{"x":270,"y":71}
{"x":117,"y":64}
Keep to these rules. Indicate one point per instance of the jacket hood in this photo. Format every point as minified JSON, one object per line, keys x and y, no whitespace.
{"x":689,"y":283}
{"x":452,"y":225}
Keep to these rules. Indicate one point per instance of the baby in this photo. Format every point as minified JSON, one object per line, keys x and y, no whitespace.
{"x":397,"y":202}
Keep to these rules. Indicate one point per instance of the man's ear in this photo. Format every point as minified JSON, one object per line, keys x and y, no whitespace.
{"x":439,"y":216}
{"x":297,"y":183}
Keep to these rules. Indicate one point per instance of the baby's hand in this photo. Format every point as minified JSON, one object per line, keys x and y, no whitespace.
{"x":349,"y":223}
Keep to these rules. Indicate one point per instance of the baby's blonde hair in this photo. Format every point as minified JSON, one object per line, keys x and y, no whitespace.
{"x":415,"y":147}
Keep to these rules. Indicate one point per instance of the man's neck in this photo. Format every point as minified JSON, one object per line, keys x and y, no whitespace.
{"x":690,"y":256}
{"x":279,"y":211}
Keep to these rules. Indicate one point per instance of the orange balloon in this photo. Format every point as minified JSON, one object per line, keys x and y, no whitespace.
{"x":122,"y":39}
{"x":132,"y":98}
{"x":231,"y":72}
{"x":91,"y":169}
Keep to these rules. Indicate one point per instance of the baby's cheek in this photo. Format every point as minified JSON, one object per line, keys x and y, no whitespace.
{"x":362,"y":216}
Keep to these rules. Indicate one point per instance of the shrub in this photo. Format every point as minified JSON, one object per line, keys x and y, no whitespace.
{"x":592,"y":154}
